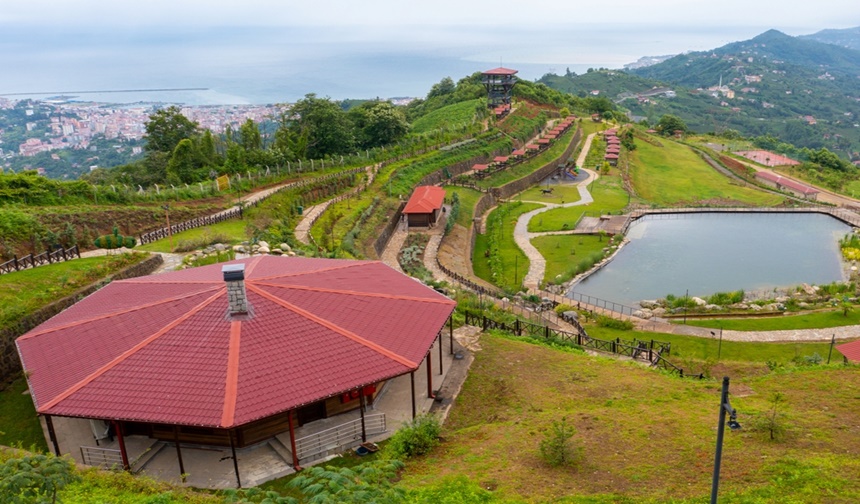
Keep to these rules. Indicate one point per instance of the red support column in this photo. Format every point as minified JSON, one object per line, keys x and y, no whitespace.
{"x":293,"y":442}
{"x":117,"y":427}
{"x":430,"y":375}
{"x":441,"y":370}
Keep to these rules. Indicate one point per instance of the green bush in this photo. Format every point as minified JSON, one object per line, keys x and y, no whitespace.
{"x":416,"y":437}
{"x":726,"y":298}
{"x":556,"y":448}
{"x":611,"y":323}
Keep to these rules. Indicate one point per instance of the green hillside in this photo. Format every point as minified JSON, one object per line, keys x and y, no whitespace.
{"x":455,"y":114}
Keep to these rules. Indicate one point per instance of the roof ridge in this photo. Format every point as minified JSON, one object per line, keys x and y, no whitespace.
{"x":334,"y":327}
{"x":351,"y":264}
{"x":232,"y":383}
{"x":251,"y":264}
{"x":115,"y":313}
{"x":356,"y":293}
{"x":128,"y":353}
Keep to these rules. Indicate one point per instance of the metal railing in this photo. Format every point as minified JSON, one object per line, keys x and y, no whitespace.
{"x":318,"y":445}
{"x":101,"y":457}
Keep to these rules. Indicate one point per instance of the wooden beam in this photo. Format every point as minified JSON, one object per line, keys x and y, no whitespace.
{"x":117,"y":427}
{"x":293,"y":442}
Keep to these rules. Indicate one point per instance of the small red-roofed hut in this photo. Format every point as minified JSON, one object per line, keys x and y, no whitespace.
{"x":228,"y":355}
{"x":424,"y":206}
{"x":850,"y":351}
{"x":612,"y":158}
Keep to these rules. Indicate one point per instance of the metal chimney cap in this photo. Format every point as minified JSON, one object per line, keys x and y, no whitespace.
{"x":233,"y":272}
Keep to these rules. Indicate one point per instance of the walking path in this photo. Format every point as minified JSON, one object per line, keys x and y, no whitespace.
{"x":312,"y":213}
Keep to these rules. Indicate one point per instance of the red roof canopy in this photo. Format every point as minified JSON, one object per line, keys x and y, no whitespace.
{"x":610,"y":156}
{"x":543,"y":140}
{"x":532,"y":146}
{"x":501,"y":159}
{"x":425,"y":199}
{"x":851,"y":351}
{"x":551,"y":134}
{"x":785,"y":182}
{"x":165,"y":349}
{"x":480,"y":167}
{"x":518,"y":152}
{"x":500,"y":71}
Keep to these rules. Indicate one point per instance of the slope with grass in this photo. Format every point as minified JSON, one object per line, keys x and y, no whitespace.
{"x":448,"y":116}
{"x":609,"y":197}
{"x":669,"y":173}
{"x":645,"y":436}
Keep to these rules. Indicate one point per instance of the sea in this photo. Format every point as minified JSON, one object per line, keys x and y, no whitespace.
{"x":223,"y":66}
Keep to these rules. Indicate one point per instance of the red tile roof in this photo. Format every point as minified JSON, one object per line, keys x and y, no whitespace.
{"x":789,"y":183}
{"x":425,"y":199}
{"x":164,"y":349}
{"x":480,"y":167}
{"x":551,"y":134}
{"x":501,"y":159}
{"x":543,"y":140}
{"x":532,"y":146}
{"x":500,"y":71}
{"x":610,"y":156}
{"x":518,"y":152}
{"x":851,"y":351}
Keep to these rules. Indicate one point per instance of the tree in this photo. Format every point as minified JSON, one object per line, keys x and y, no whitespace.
{"x":557,"y":448}
{"x":772,"y":421}
{"x":378,"y":123}
{"x":668,"y":124}
{"x":180,"y":168}
{"x":249,"y":134}
{"x":166,"y":127}
{"x":444,"y":87}
{"x":324,"y":124}
{"x":34,"y":478}
{"x":206,"y":150}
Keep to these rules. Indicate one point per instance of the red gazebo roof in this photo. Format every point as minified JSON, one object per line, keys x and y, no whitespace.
{"x":551,"y":134}
{"x":501,"y":159}
{"x":543,"y":140}
{"x":518,"y":152}
{"x":165,"y":349}
{"x":500,"y":71}
{"x":424,"y":200}
{"x":610,"y":156}
{"x":532,"y":146}
{"x":480,"y":167}
{"x":851,"y":351}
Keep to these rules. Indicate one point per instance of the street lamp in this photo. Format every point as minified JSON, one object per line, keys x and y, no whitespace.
{"x":725,"y":407}
{"x":169,"y":230}
{"x":720,"y":346}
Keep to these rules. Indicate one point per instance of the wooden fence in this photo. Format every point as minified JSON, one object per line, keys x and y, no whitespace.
{"x":34,"y":260}
{"x":652,"y":351}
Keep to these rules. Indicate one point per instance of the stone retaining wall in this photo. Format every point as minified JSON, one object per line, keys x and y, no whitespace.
{"x":10,"y":364}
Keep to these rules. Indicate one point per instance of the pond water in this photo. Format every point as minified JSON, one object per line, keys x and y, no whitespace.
{"x":720,"y":252}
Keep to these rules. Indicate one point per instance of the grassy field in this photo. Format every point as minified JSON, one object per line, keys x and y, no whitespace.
{"x":230,"y":231}
{"x":23,"y":292}
{"x":451,"y":115}
{"x":506,"y":265}
{"x":561,"y":193}
{"x":18,"y":424}
{"x":521,"y":170}
{"x":609,"y":196}
{"x":815,"y":320}
{"x":568,"y":255}
{"x":644,"y":436}
{"x":468,"y":199}
{"x":675,"y":175}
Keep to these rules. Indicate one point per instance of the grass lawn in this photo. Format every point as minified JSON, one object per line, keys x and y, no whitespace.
{"x":23,"y":292}
{"x":450,"y":116}
{"x":506,"y":265}
{"x":813,"y":320}
{"x":230,"y":231}
{"x":561,"y":193}
{"x":675,"y":175}
{"x":18,"y":422}
{"x":569,"y":255}
{"x":468,"y":199}
{"x":644,"y":436}
{"x":685,"y":348}
{"x":609,"y":197}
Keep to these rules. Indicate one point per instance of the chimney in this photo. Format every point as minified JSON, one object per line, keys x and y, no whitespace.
{"x":234,"y":275}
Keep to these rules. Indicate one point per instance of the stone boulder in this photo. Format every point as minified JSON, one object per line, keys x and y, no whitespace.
{"x":263,"y":249}
{"x":262,"y":243}
{"x":649,"y":304}
{"x":643,"y":314}
{"x":699,"y":301}
{"x":713,"y":307}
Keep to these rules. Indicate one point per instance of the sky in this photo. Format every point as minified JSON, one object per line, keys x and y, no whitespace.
{"x":252,"y":48}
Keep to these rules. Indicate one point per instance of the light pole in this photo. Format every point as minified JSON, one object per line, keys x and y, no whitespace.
{"x":720,"y":345}
{"x":169,"y":231}
{"x":725,"y":407}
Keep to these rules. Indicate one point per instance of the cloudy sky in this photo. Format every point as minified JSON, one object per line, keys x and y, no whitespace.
{"x":65,"y":44}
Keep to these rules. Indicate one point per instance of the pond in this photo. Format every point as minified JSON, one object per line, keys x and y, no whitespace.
{"x":720,"y":252}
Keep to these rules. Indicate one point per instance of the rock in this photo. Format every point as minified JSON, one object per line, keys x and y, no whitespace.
{"x":643,"y":314}
{"x":755,"y":307}
{"x":659,"y":311}
{"x":770,"y":307}
{"x":262,"y":243}
{"x":713,"y":307}
{"x":276,"y":252}
{"x":649,"y":303}
{"x":782,"y":299}
{"x":239,"y":248}
{"x":285,"y":247}
{"x":263,"y":249}
{"x":220,"y":247}
{"x":803,"y":305}
{"x":699,"y":301}
{"x":570,"y":316}
{"x":740,"y":306}
{"x":808,"y":289}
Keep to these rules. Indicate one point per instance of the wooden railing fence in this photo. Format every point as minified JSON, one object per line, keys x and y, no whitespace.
{"x":34,"y":260}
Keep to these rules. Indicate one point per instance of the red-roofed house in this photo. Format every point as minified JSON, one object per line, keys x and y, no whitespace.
{"x":788,"y":185}
{"x":424,"y":206}
{"x":227,"y":355}
{"x":612,"y":158}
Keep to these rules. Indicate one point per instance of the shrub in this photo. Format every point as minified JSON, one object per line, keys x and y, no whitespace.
{"x":773,"y":421}
{"x":556,"y":448}
{"x":612,"y":323}
{"x":416,"y":437}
